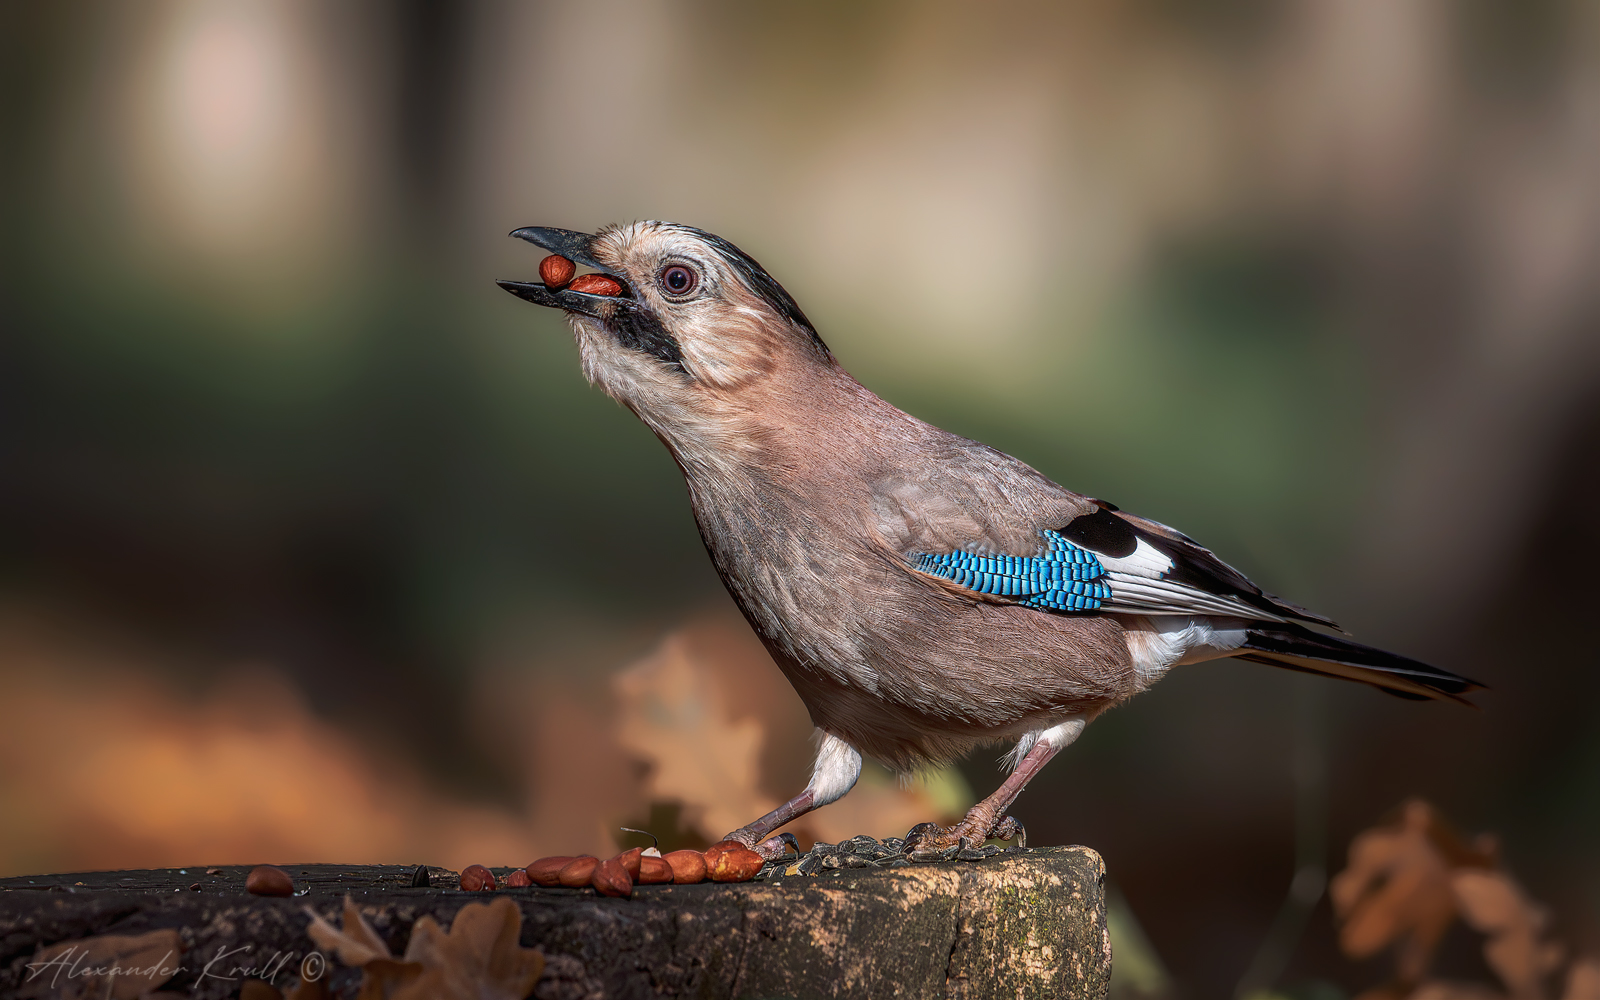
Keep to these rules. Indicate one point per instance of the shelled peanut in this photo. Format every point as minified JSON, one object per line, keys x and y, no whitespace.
{"x":728,"y":861}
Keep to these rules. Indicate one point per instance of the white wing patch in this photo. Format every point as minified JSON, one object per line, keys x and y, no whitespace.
{"x":1146,"y":560}
{"x":1137,"y":585}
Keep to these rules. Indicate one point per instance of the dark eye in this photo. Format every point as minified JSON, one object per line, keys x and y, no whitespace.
{"x":676,"y":279}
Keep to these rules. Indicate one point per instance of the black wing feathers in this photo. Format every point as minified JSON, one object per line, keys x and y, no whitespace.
{"x":1117,"y":534}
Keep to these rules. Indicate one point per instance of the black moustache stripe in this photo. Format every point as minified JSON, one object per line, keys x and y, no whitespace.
{"x":637,"y":328}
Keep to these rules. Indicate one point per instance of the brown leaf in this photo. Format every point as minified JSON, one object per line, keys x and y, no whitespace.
{"x":1496,"y":906}
{"x":356,"y":945}
{"x":479,"y":959}
{"x":1583,"y":980}
{"x":310,"y":989}
{"x":1396,"y":890}
{"x":384,"y":978}
{"x":109,"y":966}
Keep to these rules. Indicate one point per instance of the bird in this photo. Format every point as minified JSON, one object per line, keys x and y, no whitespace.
{"x":925,"y":594}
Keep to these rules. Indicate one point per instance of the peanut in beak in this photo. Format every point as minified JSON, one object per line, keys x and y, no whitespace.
{"x":555,"y":271}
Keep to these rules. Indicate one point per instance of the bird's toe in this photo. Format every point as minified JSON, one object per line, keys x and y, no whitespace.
{"x":1009,"y":828}
{"x":777,"y":846}
{"x":931,"y":842}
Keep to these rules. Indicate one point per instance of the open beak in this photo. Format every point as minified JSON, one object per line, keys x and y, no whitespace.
{"x":576,"y":247}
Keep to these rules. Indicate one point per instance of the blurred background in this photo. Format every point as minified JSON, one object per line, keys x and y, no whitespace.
{"x":315,"y":545}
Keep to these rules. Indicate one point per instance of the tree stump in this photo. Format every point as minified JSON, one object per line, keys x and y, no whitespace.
{"x":1019,"y":924}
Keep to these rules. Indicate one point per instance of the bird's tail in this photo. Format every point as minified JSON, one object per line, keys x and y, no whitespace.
{"x":1297,"y":648}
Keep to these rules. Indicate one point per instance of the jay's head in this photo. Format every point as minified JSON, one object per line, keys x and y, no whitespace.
{"x":690,"y":327}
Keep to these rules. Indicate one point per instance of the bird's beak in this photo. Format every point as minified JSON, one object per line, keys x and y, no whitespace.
{"x":576,"y":247}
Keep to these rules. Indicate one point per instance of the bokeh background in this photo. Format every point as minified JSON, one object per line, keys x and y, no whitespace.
{"x":314,"y":545}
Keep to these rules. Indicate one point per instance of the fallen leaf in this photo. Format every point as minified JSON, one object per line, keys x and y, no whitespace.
{"x":1494,"y":905}
{"x":107,"y":967}
{"x":1583,"y":980}
{"x":386,"y":978}
{"x":1396,"y":890}
{"x":479,"y":959}
{"x":356,"y":945}
{"x":310,"y":989}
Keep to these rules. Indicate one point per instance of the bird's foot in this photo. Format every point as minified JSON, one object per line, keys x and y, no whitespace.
{"x":772,"y":847}
{"x":932,"y":842}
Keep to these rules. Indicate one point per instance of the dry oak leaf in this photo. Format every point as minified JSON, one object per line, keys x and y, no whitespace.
{"x":1494,"y":905}
{"x":107,"y":966}
{"x":356,"y":945}
{"x":477,"y":959}
{"x":1396,"y":888}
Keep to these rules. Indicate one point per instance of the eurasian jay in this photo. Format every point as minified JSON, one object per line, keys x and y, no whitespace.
{"x":925,"y":594}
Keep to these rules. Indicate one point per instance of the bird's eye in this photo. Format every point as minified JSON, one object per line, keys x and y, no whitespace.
{"x":677,"y":279}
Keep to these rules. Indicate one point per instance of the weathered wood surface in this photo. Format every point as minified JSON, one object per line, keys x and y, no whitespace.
{"x":1028,"y":924}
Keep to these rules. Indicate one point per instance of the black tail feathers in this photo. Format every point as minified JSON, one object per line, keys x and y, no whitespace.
{"x":1297,"y":648}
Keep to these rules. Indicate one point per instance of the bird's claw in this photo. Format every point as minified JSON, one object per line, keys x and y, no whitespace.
{"x":932,"y":842}
{"x":1008,"y":828}
{"x":777,"y":846}
{"x":772,"y":847}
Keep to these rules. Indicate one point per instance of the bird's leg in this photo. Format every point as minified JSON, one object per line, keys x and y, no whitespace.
{"x":835,"y":772}
{"x":988,"y":818}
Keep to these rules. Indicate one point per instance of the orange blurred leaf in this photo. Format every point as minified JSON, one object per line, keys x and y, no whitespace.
{"x":1395,"y":890}
{"x":479,"y":959}
{"x":1583,"y":980}
{"x":1494,"y":905}
{"x":356,"y":945}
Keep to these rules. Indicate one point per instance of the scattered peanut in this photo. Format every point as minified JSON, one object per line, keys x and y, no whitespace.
{"x":688,"y":867}
{"x":268,"y":880}
{"x":476,"y":878}
{"x":630,"y":860}
{"x":596,"y":284}
{"x":728,"y":861}
{"x":611,"y":878}
{"x":547,"y":871}
{"x":578,"y":871}
{"x":653,"y":871}
{"x":555,"y":271}
{"x":731,"y":861}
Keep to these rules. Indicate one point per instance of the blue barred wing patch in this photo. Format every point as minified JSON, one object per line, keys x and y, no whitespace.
{"x":1064,"y":578}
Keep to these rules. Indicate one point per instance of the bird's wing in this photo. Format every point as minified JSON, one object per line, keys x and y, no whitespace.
{"x":1152,"y":568}
{"x":1108,"y":561}
{"x":990,"y":524}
